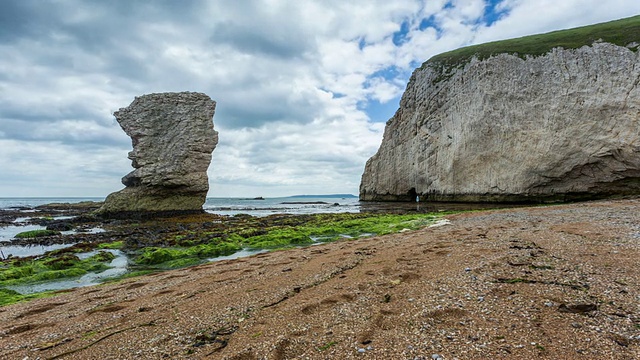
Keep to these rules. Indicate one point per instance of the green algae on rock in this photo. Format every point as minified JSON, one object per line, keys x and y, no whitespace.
{"x":25,"y":271}
{"x":36,"y":233}
{"x":190,"y":255}
{"x":8,"y":296}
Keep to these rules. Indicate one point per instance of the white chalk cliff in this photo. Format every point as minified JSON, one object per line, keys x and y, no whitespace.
{"x":559,"y":126}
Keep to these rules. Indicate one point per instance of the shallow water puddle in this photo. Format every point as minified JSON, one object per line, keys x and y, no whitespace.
{"x":238,"y":254}
{"x":94,"y":230}
{"x":9,"y":232}
{"x":27,"y":250}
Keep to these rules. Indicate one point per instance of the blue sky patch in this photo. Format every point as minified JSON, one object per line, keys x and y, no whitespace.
{"x":400,"y":37}
{"x":381,"y":112}
{"x":491,"y":14}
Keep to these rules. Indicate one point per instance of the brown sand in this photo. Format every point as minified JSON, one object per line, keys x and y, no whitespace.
{"x":556,"y":282}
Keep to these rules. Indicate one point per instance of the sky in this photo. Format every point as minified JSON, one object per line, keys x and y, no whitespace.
{"x":303,"y":87}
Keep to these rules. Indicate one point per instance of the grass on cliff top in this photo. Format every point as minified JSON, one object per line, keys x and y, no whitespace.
{"x":619,"y":32}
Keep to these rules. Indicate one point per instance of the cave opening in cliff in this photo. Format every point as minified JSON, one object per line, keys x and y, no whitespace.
{"x":412,"y":194}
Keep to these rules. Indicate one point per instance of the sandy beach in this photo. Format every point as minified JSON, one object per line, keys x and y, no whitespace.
{"x":553,"y":282}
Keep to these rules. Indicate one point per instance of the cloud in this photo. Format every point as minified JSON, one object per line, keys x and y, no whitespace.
{"x":527,"y":17}
{"x":303,"y":88}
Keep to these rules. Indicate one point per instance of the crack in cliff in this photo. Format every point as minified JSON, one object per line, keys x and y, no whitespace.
{"x":633,"y":87}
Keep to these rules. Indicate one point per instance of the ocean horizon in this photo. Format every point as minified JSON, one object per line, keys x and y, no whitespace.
{"x":259,"y":206}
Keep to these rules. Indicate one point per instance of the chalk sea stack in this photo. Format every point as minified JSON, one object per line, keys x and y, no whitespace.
{"x":173,"y":138}
{"x":551,"y":117}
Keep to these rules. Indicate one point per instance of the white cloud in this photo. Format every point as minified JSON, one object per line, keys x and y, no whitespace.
{"x":527,"y":17}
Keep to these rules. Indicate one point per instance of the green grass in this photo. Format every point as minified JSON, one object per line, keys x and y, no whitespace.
{"x":620,"y":32}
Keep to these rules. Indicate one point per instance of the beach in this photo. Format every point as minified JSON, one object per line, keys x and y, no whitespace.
{"x":556,"y":282}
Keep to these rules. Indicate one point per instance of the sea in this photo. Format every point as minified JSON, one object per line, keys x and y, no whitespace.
{"x":302,"y":204}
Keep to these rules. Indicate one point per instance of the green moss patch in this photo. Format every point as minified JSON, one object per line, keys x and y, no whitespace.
{"x":180,"y":257}
{"x":112,"y":245}
{"x":36,"y":233}
{"x":49,"y":268}
{"x":8,"y":297}
{"x":277,"y":232}
{"x":331,"y":227}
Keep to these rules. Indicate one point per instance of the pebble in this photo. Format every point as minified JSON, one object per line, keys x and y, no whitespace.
{"x":467,"y":269}
{"x":436,"y":357}
{"x":362,"y":351}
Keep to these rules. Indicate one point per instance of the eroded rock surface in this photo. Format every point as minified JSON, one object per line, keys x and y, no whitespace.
{"x":562,"y":126}
{"x":173,"y":138}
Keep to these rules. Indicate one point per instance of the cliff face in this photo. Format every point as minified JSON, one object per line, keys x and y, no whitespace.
{"x":173,"y":138}
{"x":560,"y":126}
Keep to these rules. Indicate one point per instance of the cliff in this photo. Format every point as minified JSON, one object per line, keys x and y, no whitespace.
{"x":557,"y":118}
{"x":173,"y":137}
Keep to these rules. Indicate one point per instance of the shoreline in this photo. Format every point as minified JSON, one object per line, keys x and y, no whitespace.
{"x":550,"y":282}
{"x":79,"y":249}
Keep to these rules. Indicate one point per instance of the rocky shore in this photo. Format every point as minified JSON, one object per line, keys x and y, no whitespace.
{"x":556,"y":282}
